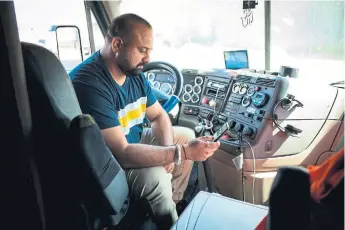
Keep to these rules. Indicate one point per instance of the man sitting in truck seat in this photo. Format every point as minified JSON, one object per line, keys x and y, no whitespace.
{"x":111,"y":87}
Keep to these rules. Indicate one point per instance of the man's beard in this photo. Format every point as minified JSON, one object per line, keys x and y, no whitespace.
{"x":132,"y":72}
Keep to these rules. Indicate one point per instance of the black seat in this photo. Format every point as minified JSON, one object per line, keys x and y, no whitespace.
{"x":83,"y":186}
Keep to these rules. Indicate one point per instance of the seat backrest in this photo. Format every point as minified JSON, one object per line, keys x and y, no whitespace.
{"x":71,"y":175}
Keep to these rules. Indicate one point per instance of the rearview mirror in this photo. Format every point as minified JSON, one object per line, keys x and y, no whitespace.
{"x":68,"y":44}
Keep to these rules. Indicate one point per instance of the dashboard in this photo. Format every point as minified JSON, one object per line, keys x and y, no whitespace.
{"x":243,"y":102}
{"x":251,"y":103}
{"x":247,"y":100}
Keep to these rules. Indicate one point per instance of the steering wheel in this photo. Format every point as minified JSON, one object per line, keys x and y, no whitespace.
{"x":167,"y":102}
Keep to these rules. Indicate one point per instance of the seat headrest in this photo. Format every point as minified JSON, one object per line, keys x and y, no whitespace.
{"x":50,"y":89}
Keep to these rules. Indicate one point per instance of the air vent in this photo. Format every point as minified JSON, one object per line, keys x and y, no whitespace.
{"x":265,"y":81}
{"x":243,"y":78}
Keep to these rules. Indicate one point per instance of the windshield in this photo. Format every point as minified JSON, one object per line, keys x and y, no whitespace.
{"x":308,"y":35}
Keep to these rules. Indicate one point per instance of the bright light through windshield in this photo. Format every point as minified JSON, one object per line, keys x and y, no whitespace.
{"x":308,"y":35}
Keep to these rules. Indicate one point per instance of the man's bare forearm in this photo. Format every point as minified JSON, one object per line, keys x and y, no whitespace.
{"x":162,"y":130}
{"x":142,"y":156}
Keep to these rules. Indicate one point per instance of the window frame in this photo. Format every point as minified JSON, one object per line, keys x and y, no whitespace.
{"x":99,"y":12}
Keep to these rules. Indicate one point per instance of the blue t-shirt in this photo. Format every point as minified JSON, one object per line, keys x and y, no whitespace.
{"x":109,"y":103}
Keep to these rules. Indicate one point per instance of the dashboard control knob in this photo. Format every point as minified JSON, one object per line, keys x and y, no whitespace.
{"x":247,"y":131}
{"x":238,"y":127}
{"x":212,"y":103}
{"x":231,"y":123}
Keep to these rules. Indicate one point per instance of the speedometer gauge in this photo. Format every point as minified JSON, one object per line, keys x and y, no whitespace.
{"x":151,"y":76}
{"x":166,"y":88}
{"x":156,"y":84}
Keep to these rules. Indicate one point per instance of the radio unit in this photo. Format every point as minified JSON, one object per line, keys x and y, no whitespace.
{"x":214,"y":93}
{"x":216,"y":89}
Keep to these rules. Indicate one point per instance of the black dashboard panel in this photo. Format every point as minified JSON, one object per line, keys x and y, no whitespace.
{"x":249,"y":102}
{"x":245,"y":101}
{"x":192,"y":88}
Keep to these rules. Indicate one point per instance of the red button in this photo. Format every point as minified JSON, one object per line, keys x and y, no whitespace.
{"x":205,"y":100}
{"x":257,"y":88}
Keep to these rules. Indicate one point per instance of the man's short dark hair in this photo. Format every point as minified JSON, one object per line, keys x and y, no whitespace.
{"x":123,"y":25}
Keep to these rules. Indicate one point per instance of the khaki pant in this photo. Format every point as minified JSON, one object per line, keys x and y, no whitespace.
{"x":155,"y":189}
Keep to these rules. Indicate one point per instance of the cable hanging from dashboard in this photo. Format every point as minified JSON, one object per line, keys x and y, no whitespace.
{"x":287,"y":103}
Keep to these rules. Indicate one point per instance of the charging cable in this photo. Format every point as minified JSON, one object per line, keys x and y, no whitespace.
{"x":287,"y":103}
{"x":254,"y":170}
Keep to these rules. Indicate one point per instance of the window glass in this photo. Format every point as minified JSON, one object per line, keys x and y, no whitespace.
{"x":309,"y":35}
{"x":35,"y":19}
{"x":97,"y":33}
{"x":194,"y":33}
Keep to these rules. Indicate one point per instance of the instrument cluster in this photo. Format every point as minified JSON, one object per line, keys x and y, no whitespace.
{"x":162,"y":81}
{"x":247,"y":92}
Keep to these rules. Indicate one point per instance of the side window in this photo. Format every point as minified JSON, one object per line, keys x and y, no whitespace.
{"x":97,"y":33}
{"x":38,"y":26}
{"x":309,"y":36}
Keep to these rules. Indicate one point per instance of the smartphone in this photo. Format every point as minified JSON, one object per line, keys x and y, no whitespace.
{"x":220,"y":132}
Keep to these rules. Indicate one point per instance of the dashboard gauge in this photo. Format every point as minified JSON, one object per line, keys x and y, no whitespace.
{"x":188,"y":88}
{"x":244,"y":89}
{"x":260,"y":99}
{"x":195,"y":98}
{"x":251,"y":91}
{"x":156,"y":85}
{"x":236,"y":88}
{"x":197,"y":89}
{"x":198,"y":81}
{"x":173,"y":89}
{"x":151,"y":76}
{"x":151,"y":83}
{"x":166,"y":88}
{"x":246,"y":101}
{"x":186,"y":97}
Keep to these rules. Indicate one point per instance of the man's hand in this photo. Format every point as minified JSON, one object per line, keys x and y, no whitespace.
{"x":169,"y":167}
{"x":200,"y":149}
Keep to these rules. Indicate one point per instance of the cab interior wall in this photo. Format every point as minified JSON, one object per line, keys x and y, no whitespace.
{"x":192,"y":35}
